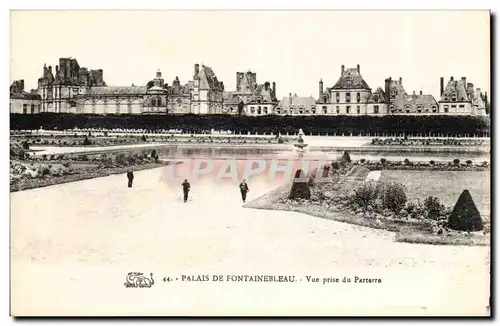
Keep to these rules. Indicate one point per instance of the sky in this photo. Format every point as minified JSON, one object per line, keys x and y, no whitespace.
{"x":292,"y":48}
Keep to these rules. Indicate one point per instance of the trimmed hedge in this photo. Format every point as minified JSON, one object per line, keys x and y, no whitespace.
{"x":446,"y":125}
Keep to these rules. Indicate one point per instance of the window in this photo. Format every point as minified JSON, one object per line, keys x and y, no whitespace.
{"x":348,"y":97}
{"x":265,"y":110}
{"x":408,"y":111}
{"x":419,"y":111}
{"x":375,"y":98}
{"x":325,"y":110}
{"x":358,"y":109}
{"x":301,"y":110}
{"x":159,"y":101}
{"x":358,"y":97}
{"x":338,"y":109}
{"x":375,"y":109}
{"x":25,"y":108}
{"x":252,"y":109}
{"x":32,"y":108}
{"x":453,"y":97}
{"x":313,"y":110}
{"x":259,"y":110}
{"x":338,"y":97}
{"x":453,"y":106}
{"x":75,"y":90}
{"x":348,"y":82}
{"x":446,"y":109}
{"x":347,"y":109}
{"x":153,"y":102}
{"x":324,"y":99}
{"x":278,"y":110}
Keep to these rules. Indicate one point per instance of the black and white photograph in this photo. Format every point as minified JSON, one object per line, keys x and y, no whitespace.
{"x":231,"y":163}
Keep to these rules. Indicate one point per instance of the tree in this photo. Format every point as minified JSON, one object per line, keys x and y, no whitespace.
{"x":465,"y":215}
{"x":300,"y":187}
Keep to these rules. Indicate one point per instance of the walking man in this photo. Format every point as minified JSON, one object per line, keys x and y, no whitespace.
{"x":130,"y":176}
{"x":185,"y":189}
{"x":244,"y":189}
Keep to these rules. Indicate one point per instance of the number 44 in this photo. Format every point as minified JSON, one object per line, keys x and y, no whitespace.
{"x":166,"y":279}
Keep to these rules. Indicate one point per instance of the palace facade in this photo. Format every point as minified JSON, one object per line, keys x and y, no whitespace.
{"x":75,"y":89}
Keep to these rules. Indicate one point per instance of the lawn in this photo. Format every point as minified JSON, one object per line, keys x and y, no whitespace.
{"x":446,"y":185}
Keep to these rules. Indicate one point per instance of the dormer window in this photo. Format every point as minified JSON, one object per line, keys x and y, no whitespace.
{"x":338,"y":97}
{"x":375,"y":98}
{"x":324,"y":99}
{"x":313,"y":110}
{"x":325,"y":110}
{"x":407,"y":106}
{"x":453,"y":97}
{"x":348,"y":82}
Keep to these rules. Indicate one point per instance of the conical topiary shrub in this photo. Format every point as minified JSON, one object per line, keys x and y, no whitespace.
{"x":300,"y":187}
{"x":346,"y":158}
{"x":465,"y":215}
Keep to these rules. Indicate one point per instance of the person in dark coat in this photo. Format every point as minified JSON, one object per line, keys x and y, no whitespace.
{"x":130,"y":177}
{"x":185,"y":189}
{"x":244,"y":189}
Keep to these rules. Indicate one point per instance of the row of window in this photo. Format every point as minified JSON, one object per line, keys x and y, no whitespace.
{"x":31,"y":108}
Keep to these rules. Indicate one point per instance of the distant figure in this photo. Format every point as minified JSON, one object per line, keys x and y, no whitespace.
{"x":244,"y":189}
{"x":301,"y":140}
{"x":130,"y":176}
{"x":185,"y":189}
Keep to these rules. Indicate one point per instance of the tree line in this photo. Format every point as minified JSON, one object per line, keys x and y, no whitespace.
{"x":190,"y":123}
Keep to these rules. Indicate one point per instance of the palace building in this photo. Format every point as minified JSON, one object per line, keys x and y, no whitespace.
{"x":21,"y":101}
{"x":349,"y":96}
{"x":460,"y":98}
{"x":74,"y":89}
{"x":250,"y":98}
{"x":402,"y":103}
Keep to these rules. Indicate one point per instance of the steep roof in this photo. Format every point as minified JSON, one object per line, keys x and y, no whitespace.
{"x":455,"y":87}
{"x":117,"y":90}
{"x":230,"y":98}
{"x":25,"y":96}
{"x":297,"y":101}
{"x":351,"y":79}
{"x":378,"y":96}
{"x":208,"y":80}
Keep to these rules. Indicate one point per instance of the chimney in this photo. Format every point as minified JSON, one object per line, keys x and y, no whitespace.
{"x":441,"y":86}
{"x":290,"y":95}
{"x":274,"y":88}
{"x":420,"y":92}
{"x":196,"y":69}
{"x":266,"y":86}
{"x":401,"y":80}
{"x":465,"y":81}
{"x":451,"y":78}
{"x":320,"y":87}
{"x":387,"y":88}
{"x":342,"y":68}
{"x":50,"y":69}
{"x":358,"y":68}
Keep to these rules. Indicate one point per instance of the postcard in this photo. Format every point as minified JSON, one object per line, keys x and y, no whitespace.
{"x":250,"y":163}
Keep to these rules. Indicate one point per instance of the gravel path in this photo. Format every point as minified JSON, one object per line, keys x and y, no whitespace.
{"x":73,"y":244}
